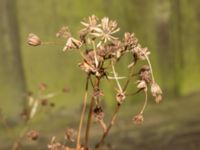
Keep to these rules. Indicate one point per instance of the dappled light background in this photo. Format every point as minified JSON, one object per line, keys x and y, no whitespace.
{"x":169,"y":28}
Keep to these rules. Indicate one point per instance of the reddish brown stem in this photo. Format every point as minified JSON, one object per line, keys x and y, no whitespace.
{"x":87,"y":131}
{"x":109,"y":126}
{"x":82,"y":114}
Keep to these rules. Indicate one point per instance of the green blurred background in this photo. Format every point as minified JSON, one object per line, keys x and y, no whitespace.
{"x":169,"y":28}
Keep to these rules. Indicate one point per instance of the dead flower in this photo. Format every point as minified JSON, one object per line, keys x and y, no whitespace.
{"x":108,"y":27}
{"x":141,"y":53}
{"x":138,"y":119}
{"x":63,"y":32}
{"x":98,"y":113}
{"x":54,"y":145}
{"x":33,"y":135}
{"x":33,"y":40}
{"x":70,"y":134}
{"x":156,"y":92}
{"x":141,"y":84}
{"x":72,"y":43}
{"x":91,"y":24}
{"x":120,"y":97}
{"x":130,"y":41}
{"x":145,"y":74}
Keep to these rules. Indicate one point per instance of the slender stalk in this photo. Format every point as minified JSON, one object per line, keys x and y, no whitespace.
{"x":115,"y":76}
{"x":82,"y":114}
{"x":87,"y":131}
{"x":145,"y":103}
{"x":129,"y":77}
{"x":109,"y":126}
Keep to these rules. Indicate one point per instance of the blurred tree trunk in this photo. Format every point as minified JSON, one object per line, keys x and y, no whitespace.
{"x":176,"y":45}
{"x":12,"y":80}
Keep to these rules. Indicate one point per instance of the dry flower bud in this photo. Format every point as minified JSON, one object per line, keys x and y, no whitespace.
{"x":145,"y":74}
{"x":120,"y":97}
{"x":141,"y":84}
{"x":63,"y":32}
{"x":33,"y":135}
{"x":98,"y":113}
{"x":70,"y":134}
{"x":156,"y":92}
{"x":141,"y":53}
{"x":138,"y":119}
{"x":33,"y":40}
{"x":87,"y":67}
{"x":130,"y":40}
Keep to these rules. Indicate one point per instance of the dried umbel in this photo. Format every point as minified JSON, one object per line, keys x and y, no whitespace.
{"x":101,"y":50}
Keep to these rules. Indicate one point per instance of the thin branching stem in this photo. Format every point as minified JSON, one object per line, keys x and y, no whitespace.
{"x":82,"y":113}
{"x":145,"y":103}
{"x":109,"y":126}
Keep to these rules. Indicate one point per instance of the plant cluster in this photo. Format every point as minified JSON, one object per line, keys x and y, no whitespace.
{"x":100,"y":51}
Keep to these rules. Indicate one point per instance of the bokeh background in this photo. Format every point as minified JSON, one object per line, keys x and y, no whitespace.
{"x":169,"y":28}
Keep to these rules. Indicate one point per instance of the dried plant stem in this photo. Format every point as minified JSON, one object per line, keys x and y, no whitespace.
{"x":87,"y":131}
{"x":82,"y":114}
{"x":129,"y":77}
{"x":109,"y":126}
{"x":115,"y":76}
{"x":145,"y":103}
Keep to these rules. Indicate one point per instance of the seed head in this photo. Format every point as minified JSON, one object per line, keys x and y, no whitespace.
{"x":156,"y":92}
{"x":33,"y":40}
{"x":138,"y":119}
{"x":120,"y":97}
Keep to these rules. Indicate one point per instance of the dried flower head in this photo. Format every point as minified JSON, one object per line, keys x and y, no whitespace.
{"x":33,"y":40}
{"x":145,"y":74}
{"x":33,"y":135}
{"x":120,"y":97}
{"x":70,"y":134}
{"x":64,"y":33}
{"x":90,"y":24}
{"x":138,"y":119}
{"x":54,"y":145}
{"x":130,"y":41}
{"x":140,"y":53}
{"x":98,"y":113}
{"x":156,"y":92}
{"x":108,"y":27}
{"x":72,"y":43}
{"x":141,"y":84}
